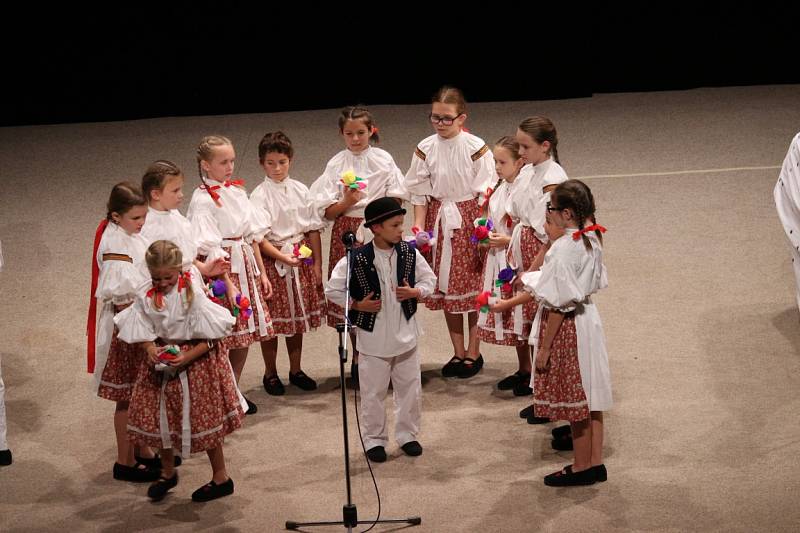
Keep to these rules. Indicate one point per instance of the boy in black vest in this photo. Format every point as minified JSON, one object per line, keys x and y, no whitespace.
{"x":387,"y":278}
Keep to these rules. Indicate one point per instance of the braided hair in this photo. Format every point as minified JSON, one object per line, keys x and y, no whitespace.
{"x":577,"y":196}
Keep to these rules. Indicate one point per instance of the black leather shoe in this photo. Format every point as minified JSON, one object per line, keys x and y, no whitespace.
{"x":525,"y":413}
{"x":212,"y":491}
{"x":5,"y":457}
{"x":600,"y":473}
{"x":302,"y":381}
{"x":158,"y":490}
{"x":134,"y":473}
{"x":273,"y":385}
{"x":412,"y":448}
{"x":568,"y":478}
{"x":376,"y":454}
{"x":470,"y":367}
{"x":452,"y":367}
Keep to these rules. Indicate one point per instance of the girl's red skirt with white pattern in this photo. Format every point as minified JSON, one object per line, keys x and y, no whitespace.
{"x":343,"y":223}
{"x":303,"y":311}
{"x":466,"y":266}
{"x":241,"y":337}
{"x":122,"y":366}
{"x":214,"y":411}
{"x":558,"y":392}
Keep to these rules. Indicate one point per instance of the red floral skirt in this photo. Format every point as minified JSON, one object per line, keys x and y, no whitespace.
{"x":558,"y":392}
{"x":466,"y":266}
{"x":214,"y":410}
{"x":300,"y":313}
{"x":241,"y":337}
{"x":119,"y":374}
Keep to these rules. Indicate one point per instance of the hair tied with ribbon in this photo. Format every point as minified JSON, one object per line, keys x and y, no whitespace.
{"x":593,"y":227}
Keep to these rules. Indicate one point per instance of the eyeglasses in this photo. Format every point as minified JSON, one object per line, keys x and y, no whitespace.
{"x":550,"y":208}
{"x":445,"y":121}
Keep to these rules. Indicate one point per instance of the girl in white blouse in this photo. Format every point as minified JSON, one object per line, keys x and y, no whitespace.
{"x":343,"y":206}
{"x":185,"y":395}
{"x":449,"y":171}
{"x":499,"y":328}
{"x":538,"y":148}
{"x":116,"y":273}
{"x":162,"y":186}
{"x":293,"y":225}
{"x":572,"y":380}
{"x":225,"y":224}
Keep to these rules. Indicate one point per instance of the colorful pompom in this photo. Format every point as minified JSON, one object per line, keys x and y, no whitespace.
{"x":480,"y":234}
{"x":350,"y":180}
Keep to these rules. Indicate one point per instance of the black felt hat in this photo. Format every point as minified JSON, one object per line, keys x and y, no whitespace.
{"x":381,"y":209}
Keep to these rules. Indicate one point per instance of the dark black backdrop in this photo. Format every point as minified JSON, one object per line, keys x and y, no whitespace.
{"x":62,"y":64}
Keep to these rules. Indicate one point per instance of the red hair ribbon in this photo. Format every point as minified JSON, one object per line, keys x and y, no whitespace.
{"x":211,"y":189}
{"x":184,"y":279}
{"x":157,"y":296}
{"x":593,"y":227}
{"x":91,"y":320}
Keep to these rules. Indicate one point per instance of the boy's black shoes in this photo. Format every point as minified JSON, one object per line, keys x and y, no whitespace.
{"x":376,"y":454}
{"x":412,"y":448}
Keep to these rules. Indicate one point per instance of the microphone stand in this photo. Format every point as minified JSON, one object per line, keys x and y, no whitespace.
{"x":349,"y":510}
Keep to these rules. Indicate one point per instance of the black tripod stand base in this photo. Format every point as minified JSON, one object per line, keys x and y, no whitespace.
{"x":412,"y":520}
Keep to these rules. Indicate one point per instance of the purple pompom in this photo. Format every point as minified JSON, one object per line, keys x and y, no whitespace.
{"x":219,"y":288}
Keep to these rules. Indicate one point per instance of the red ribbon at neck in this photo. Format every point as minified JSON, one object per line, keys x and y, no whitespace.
{"x":593,"y":227}
{"x":226,"y":183}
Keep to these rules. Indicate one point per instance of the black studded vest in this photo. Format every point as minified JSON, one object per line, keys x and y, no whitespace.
{"x":364,"y":279}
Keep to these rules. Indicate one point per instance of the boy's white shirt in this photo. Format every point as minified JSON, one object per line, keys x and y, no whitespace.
{"x":392,"y":335}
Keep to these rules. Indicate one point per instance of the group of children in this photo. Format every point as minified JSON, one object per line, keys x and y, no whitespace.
{"x":182,"y":298}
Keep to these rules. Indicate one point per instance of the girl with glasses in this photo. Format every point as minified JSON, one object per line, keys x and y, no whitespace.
{"x":449,"y":171}
{"x":572,"y":380}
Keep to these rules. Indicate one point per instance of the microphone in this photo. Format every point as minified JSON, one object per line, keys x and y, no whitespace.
{"x":348,"y":238}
